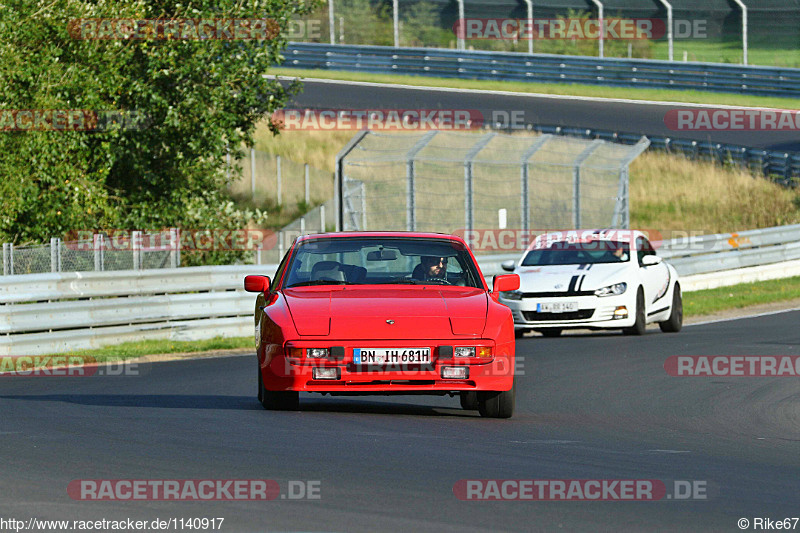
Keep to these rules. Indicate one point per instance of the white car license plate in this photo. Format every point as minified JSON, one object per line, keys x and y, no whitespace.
{"x":391,"y":356}
{"x":557,"y":307}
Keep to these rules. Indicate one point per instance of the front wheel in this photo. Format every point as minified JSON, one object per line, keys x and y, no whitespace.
{"x":497,"y":404}
{"x":675,"y":321}
{"x":640,"y":325}
{"x":469,"y":400}
{"x":277,"y":400}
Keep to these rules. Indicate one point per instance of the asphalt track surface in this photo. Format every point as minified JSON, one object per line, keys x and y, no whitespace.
{"x":589,"y":406}
{"x":626,"y":116}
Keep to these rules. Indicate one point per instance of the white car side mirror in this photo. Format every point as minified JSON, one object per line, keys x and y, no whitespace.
{"x":649,"y":260}
{"x":508,"y":266}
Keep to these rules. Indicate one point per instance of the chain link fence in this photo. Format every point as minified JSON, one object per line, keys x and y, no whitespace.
{"x":129,"y":251}
{"x":285,"y":182}
{"x":460,"y":182}
{"x":702,"y":30}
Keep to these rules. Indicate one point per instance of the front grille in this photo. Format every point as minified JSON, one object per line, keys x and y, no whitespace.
{"x":580,"y":314}
{"x":556,"y":294}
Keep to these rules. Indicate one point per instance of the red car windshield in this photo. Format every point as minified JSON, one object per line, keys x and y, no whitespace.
{"x":381,"y":260}
{"x":574,"y":253}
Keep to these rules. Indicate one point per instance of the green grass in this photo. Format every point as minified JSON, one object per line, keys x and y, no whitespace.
{"x":727,"y":52}
{"x":699,"y":97}
{"x":129,"y":350}
{"x":709,"y":301}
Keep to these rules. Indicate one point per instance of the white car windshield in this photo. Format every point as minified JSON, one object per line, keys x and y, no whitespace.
{"x":574,"y":253}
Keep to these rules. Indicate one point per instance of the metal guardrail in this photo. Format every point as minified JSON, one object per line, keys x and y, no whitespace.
{"x":58,"y":312}
{"x":781,"y":167}
{"x":515,"y":66}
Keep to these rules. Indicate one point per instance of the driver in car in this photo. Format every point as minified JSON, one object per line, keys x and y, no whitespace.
{"x":431,"y":268}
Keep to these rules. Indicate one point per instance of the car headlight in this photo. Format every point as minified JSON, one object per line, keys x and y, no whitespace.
{"x":511,"y":295}
{"x":612,"y":290}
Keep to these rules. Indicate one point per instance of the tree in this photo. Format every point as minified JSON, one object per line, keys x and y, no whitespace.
{"x":198,"y":97}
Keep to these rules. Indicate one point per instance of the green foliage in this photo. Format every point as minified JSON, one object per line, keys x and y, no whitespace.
{"x":198,"y":96}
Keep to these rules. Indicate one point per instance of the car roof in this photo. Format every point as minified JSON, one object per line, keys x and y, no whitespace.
{"x":406,"y":234}
{"x":587,"y":235}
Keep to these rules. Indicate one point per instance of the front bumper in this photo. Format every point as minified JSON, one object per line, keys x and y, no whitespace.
{"x":593,"y":312}
{"x":283,"y":373}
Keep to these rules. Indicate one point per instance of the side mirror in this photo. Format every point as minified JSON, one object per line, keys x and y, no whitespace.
{"x":506,"y":282}
{"x":256,"y":283}
{"x":508,"y":266}
{"x":649,"y":260}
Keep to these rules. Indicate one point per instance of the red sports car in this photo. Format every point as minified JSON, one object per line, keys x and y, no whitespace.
{"x":384,"y":313}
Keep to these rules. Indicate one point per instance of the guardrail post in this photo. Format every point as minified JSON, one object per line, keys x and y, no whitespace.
{"x":53,"y":254}
{"x":136,"y":247}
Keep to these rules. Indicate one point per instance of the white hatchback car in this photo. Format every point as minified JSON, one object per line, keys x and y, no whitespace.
{"x":593,"y":279}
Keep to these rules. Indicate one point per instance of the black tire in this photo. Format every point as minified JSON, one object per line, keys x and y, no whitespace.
{"x":277,"y":400}
{"x":675,"y":321}
{"x":640,"y":325}
{"x":551,"y":332}
{"x":469,"y":400}
{"x":519,"y":333}
{"x":497,"y":404}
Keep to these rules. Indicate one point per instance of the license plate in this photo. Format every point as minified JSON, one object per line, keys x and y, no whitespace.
{"x":391,"y":356}
{"x":557,"y":307}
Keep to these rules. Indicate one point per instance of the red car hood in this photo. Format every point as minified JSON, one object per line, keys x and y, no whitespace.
{"x":426,"y":312}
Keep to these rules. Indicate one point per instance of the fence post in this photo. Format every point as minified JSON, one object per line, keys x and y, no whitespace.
{"x":331,"y":24}
{"x":322,"y":218}
{"x":5,"y":259}
{"x":469,"y":207}
{"x":98,"y":245}
{"x":59,"y":248}
{"x":136,"y":246}
{"x":259,"y":248}
{"x":53,"y":254}
{"x":278,"y":162}
{"x":525,"y":179}
{"x":174,"y":248}
{"x":576,"y":182}
{"x":308,"y":185}
{"x":253,"y":173}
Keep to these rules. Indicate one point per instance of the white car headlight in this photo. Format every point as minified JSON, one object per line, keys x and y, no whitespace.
{"x":612,"y":290}
{"x":511,"y":295}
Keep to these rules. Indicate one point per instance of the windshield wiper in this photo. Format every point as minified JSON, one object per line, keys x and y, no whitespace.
{"x":321,"y":282}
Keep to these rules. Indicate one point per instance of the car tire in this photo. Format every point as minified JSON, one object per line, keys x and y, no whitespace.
{"x":469,"y":400}
{"x":640,"y":325}
{"x":675,"y":321}
{"x":551,"y":332}
{"x":277,"y":400}
{"x":497,"y":404}
{"x":519,"y":333}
